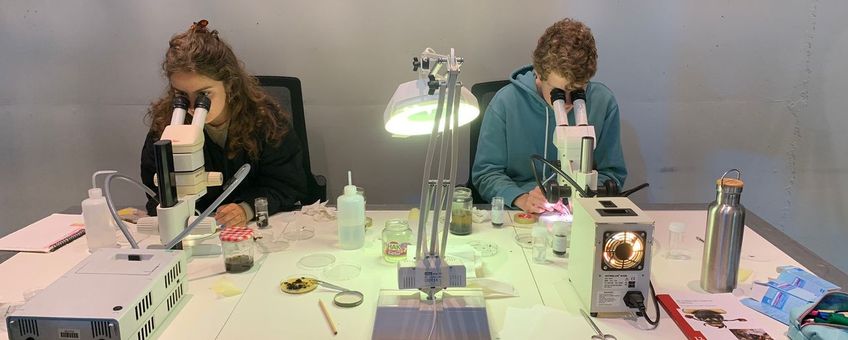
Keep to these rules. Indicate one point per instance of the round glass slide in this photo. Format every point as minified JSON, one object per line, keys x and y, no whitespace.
{"x":348,"y":298}
{"x":316,"y":262}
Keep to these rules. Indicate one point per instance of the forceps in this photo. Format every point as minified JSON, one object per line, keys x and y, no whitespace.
{"x":601,"y":335}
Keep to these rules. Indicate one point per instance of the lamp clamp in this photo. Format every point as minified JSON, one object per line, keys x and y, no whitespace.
{"x":433,"y":84}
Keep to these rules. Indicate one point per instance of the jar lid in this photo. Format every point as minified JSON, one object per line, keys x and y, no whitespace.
{"x":236,"y":234}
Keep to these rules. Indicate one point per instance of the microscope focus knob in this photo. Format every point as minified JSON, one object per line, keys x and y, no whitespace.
{"x":214,"y":179}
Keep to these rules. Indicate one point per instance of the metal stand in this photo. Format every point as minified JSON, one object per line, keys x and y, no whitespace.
{"x":460,"y":313}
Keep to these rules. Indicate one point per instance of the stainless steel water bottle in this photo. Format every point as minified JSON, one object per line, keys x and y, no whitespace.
{"x":723,"y":239}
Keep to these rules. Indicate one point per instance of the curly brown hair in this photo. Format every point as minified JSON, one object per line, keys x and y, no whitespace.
{"x":568,"y":49}
{"x":252,"y":113}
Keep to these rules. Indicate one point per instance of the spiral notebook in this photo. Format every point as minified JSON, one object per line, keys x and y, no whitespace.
{"x":46,"y":235}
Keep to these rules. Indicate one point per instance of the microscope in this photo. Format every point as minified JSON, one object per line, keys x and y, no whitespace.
{"x":180,"y":175}
{"x":610,"y":251}
{"x":131,"y":293}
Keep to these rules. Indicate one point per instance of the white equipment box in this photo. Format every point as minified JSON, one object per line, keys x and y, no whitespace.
{"x":112,"y":294}
{"x":610,"y":253}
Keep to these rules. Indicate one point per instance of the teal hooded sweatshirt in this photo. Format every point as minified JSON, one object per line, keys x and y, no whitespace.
{"x":514,"y":128}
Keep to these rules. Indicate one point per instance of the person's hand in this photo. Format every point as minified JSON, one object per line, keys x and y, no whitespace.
{"x":231,"y":215}
{"x":558,"y":207}
{"x":533,"y":202}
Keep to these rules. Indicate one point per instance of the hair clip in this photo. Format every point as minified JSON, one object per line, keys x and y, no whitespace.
{"x":200,"y":25}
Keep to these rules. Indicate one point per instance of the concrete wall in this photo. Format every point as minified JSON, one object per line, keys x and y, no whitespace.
{"x":703,"y":86}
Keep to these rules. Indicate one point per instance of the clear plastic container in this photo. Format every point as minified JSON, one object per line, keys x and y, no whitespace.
{"x":237,"y":245}
{"x":676,"y":249}
{"x":461,"y":211}
{"x":396,"y":239}
{"x":540,"y":244}
{"x":350,"y":218}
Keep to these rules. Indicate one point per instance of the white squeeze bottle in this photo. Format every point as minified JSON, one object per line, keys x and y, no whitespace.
{"x":350,"y":217}
{"x":99,"y":227}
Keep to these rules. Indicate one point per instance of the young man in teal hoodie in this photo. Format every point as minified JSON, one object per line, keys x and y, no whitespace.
{"x":519,"y":121}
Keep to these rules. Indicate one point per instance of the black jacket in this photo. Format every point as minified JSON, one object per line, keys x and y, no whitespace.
{"x":278,"y":174}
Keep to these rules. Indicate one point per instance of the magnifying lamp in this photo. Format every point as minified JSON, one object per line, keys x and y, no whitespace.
{"x":412,"y":110}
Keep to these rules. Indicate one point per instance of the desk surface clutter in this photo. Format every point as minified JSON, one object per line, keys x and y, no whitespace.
{"x":524,"y":299}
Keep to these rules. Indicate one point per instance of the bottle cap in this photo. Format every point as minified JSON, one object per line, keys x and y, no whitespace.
{"x":95,"y":193}
{"x":730,"y":182}
{"x":349,"y":189}
{"x":677,"y":227}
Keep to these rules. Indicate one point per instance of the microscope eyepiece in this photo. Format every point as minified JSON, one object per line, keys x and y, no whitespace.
{"x":180,"y":102}
{"x":578,"y":94}
{"x":202,"y":101}
{"x":557,"y":94}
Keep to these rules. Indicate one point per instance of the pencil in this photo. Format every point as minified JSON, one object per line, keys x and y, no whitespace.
{"x":328,"y":317}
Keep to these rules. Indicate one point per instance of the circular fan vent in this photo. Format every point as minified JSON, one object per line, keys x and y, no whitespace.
{"x":624,"y":250}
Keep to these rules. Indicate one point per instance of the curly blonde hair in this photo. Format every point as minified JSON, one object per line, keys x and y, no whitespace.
{"x":252,"y":112}
{"x":567,"y":48}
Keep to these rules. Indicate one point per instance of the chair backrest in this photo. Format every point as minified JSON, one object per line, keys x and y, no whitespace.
{"x":484,"y":93}
{"x":288,"y":93}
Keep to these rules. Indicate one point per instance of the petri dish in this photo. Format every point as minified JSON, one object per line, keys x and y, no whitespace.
{"x":270,"y":244}
{"x":347,"y":299}
{"x":298,"y":232}
{"x":486,"y":249}
{"x":343,"y":271}
{"x":524,"y":218}
{"x":316,"y":262}
{"x":525,"y":240}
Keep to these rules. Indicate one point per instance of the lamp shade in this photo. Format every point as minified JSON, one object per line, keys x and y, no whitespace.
{"x":412,"y":111}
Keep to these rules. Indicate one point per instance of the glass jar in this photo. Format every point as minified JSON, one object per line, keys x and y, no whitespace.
{"x":396,"y":239}
{"x":237,"y":247}
{"x":461,"y":211}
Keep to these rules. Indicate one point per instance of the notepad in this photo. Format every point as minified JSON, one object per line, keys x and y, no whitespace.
{"x":46,"y":235}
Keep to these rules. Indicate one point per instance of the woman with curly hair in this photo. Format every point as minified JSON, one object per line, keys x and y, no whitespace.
{"x":244,"y":125}
{"x":519,"y":121}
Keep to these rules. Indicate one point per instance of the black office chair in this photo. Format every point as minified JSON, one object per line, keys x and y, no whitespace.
{"x":484,"y":93}
{"x":287,"y":91}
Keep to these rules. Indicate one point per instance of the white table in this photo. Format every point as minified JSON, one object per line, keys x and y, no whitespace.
{"x":262,"y":311}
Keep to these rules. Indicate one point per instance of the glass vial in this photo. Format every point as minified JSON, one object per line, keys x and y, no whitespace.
{"x":396,"y":239}
{"x":260,"y":207}
{"x":540,"y":244}
{"x":562,"y":234}
{"x":461,"y":211}
{"x":497,"y":212}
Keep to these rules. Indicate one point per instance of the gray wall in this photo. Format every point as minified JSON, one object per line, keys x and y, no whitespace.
{"x":703,"y":86}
